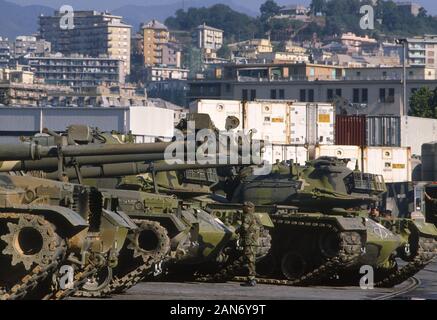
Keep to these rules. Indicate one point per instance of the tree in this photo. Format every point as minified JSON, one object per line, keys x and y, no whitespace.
{"x":224,"y":52}
{"x":423,"y":103}
{"x":233,"y":23}
{"x":317,"y":6}
{"x":269,"y":9}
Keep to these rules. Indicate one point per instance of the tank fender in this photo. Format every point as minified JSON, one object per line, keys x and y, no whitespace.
{"x":70,"y":220}
{"x":350,"y":224}
{"x":119,"y":219}
{"x":265,"y":219}
{"x":424,"y":228}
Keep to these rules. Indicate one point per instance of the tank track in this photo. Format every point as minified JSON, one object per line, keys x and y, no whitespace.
{"x":349,"y":252}
{"x":31,"y":281}
{"x":236,"y":263}
{"x":127,"y":281}
{"x":426,"y":252}
{"x":79,"y":280}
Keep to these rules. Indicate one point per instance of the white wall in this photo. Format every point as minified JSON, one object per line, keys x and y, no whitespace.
{"x":417,"y":131}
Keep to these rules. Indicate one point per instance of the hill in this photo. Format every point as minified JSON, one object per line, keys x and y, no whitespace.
{"x":18,"y":20}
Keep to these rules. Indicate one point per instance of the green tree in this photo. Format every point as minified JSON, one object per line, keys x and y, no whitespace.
{"x":268,"y":9}
{"x":318,"y":6}
{"x":233,"y":23}
{"x":224,"y":52}
{"x":423,"y":103}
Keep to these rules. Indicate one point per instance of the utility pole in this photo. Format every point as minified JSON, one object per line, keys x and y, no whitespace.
{"x":404,"y":43}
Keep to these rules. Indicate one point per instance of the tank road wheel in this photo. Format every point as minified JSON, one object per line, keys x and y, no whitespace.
{"x":293,"y":265}
{"x":150,"y":240}
{"x":329,"y":244}
{"x":99,"y":280}
{"x":33,"y":247}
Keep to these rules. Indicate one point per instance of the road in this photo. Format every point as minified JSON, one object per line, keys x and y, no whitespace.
{"x":233,"y":291}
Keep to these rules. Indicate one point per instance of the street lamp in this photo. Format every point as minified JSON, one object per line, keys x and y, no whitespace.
{"x":404,"y":43}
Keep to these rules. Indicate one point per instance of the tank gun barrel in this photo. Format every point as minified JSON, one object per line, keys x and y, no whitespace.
{"x":51,"y":164}
{"x":131,"y":168}
{"x":33,"y":151}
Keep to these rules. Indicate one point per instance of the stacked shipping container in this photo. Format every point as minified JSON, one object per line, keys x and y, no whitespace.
{"x":293,"y":126}
{"x":280,"y":122}
{"x":368,"y":130}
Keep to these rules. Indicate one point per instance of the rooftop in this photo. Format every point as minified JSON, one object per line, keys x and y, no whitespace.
{"x":154,"y":24}
{"x":204,"y":26}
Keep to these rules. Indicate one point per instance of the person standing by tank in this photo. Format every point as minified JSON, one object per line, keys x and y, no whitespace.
{"x":249,"y":236}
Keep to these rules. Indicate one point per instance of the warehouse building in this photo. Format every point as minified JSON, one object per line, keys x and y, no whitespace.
{"x":145,"y":123}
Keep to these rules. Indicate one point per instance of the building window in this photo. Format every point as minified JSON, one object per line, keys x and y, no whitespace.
{"x":228,"y":87}
{"x":311,"y":95}
{"x":244,"y":95}
{"x":391,"y":95}
{"x":330,"y":95}
{"x":281,"y":94}
{"x":365,"y":95}
{"x":356,"y":95}
{"x":273,"y":94}
{"x":302,"y":95}
{"x":252,"y":94}
{"x":381,"y":95}
{"x":338,"y":92}
{"x":312,"y":72}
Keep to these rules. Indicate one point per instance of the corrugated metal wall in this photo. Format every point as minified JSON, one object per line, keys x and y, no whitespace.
{"x":350,"y":130}
{"x":384,"y":131}
{"x":361,"y":130}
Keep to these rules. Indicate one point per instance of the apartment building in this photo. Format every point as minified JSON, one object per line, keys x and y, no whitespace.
{"x":422,"y":51}
{"x":251,"y":48}
{"x":155,"y":37}
{"x":5,"y":52}
{"x":207,"y":37}
{"x":24,"y":45}
{"x":77,"y":70}
{"x":166,"y":73}
{"x":94,"y":33}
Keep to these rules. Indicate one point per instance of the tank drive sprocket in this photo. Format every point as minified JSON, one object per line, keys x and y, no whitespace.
{"x":32,"y":240}
{"x":147,"y":246}
{"x":32,"y":253}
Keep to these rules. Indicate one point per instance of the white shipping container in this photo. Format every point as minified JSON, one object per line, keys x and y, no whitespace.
{"x":393,"y":163}
{"x":280,"y":122}
{"x":342,"y":152}
{"x":270,"y":119}
{"x":311,"y":123}
{"x":273,"y":153}
{"x":219,"y":110}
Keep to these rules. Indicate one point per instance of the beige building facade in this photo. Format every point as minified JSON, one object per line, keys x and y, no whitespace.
{"x":93,"y":34}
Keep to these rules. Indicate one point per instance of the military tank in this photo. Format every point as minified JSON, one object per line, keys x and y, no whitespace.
{"x":34,"y":237}
{"x":300,"y":199}
{"x":326,"y":188}
{"x":320,"y":203}
{"x":198,"y":240}
{"x":94,"y":252}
